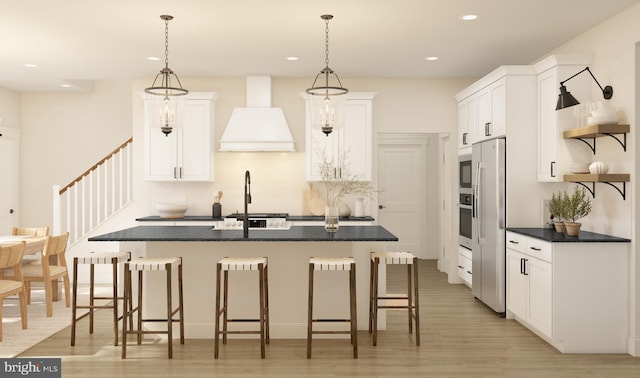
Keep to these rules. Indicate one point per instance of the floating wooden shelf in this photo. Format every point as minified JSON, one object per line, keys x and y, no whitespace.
{"x":608,"y":178}
{"x":596,"y":131}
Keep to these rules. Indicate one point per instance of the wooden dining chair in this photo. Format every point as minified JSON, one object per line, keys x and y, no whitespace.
{"x":11,"y":257}
{"x":31,"y":231}
{"x":48,"y":271}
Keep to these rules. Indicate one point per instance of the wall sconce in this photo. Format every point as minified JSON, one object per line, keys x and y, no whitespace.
{"x":566,"y":99}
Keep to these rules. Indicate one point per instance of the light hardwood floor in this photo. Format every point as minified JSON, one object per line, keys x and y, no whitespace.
{"x":460,"y":337}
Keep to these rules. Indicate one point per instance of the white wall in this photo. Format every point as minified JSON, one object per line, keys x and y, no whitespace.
{"x":9,"y":108}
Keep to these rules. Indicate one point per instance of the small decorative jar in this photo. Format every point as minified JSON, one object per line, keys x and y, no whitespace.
{"x":598,"y":168}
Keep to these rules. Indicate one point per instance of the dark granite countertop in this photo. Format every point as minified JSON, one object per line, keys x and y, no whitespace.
{"x":207,"y":234}
{"x":550,"y":235}
{"x":291,"y":218}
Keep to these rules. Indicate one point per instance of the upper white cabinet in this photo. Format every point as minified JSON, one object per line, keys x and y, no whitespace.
{"x":467,"y":119}
{"x":554,"y":155}
{"x":499,"y":104}
{"x":186,"y":154}
{"x":354,"y":139}
{"x":492,"y":111}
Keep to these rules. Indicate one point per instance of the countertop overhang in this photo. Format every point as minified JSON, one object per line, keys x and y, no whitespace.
{"x":550,"y":235}
{"x":207,"y":234}
{"x":291,"y":218}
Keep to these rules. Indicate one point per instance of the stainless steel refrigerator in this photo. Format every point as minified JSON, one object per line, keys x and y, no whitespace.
{"x":488,"y":228}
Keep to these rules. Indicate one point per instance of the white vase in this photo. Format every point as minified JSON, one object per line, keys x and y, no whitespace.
{"x":359,"y":207}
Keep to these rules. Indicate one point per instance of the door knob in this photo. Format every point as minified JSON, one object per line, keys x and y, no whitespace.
{"x":11,"y":211}
{"x":381,"y":207}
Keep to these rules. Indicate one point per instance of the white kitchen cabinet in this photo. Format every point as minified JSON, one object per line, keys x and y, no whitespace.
{"x":466,"y":118}
{"x":555,"y":154}
{"x":465,"y":265}
{"x":492,"y":111}
{"x":186,"y":154}
{"x":574,"y":295}
{"x":354,"y":139}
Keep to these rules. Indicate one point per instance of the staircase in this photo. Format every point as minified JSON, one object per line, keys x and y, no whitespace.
{"x":95,"y":196}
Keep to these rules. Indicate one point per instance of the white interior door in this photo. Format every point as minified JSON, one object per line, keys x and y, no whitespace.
{"x":9,"y":160}
{"x":402,"y":199}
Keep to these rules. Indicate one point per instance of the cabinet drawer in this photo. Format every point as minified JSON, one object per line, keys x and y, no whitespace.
{"x":464,"y":269}
{"x":464,"y":252}
{"x":539,"y":249}
{"x":516,"y":242}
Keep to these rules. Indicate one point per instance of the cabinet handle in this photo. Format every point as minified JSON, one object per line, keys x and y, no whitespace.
{"x":552,"y":170}
{"x":487,"y":129}
{"x":468,"y":271}
{"x":180,"y":172}
{"x":174,"y":173}
{"x":514,"y":242}
{"x":464,"y":138}
{"x":536,"y":249}
{"x":524,"y":267}
{"x":460,"y":266}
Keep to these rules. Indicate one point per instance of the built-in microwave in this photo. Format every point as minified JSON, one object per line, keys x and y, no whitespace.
{"x":464,"y":171}
{"x":465,"y":221}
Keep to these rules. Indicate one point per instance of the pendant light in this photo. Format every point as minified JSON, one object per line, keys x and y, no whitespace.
{"x":328,"y":96}
{"x":165,"y":104}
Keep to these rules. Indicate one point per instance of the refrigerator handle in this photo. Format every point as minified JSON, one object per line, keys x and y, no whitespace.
{"x":476,"y":201}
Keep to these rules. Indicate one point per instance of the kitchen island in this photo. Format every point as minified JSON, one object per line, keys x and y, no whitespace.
{"x":288,"y":251}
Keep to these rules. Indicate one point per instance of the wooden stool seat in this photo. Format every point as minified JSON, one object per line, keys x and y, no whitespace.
{"x":141,"y":265}
{"x":97,"y":258}
{"x":334,"y":264}
{"x":259,"y":264}
{"x":412,"y":306}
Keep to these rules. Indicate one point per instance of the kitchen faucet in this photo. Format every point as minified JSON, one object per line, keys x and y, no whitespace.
{"x":247,"y":201}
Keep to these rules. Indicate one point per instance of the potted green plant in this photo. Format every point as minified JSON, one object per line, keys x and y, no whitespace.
{"x":576,"y":206}
{"x":556,"y":209}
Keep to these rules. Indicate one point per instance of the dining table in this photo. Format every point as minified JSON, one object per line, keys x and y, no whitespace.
{"x":33,"y":245}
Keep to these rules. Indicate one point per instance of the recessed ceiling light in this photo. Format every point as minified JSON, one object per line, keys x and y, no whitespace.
{"x":65,"y":85}
{"x":292,"y":58}
{"x":431,"y":58}
{"x":469,"y":17}
{"x":153,"y":58}
{"x":30,"y":65}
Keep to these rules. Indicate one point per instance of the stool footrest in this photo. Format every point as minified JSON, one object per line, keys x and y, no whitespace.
{"x":242,"y":320}
{"x":330,"y":320}
{"x":159,"y":320}
{"x":403,"y":307}
{"x":332,"y":332}
{"x":241,"y":332}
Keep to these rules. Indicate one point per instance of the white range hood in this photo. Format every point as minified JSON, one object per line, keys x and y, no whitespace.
{"x":258,"y":127}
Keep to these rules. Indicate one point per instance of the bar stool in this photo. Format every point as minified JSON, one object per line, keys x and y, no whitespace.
{"x":412,"y":305}
{"x":226,"y":265}
{"x":334,"y":264}
{"x":100,"y":258}
{"x":150,"y":264}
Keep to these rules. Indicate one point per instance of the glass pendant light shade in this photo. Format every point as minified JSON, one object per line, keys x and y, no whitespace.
{"x":165,"y":113}
{"x":327,"y":95}
{"x":166,"y":101}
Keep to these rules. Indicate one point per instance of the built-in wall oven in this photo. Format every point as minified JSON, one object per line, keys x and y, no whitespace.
{"x":465,"y":204}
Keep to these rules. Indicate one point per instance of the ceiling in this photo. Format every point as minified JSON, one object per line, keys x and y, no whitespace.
{"x":79,"y":41}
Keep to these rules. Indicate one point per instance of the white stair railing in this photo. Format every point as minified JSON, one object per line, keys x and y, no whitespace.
{"x":94,"y":196}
